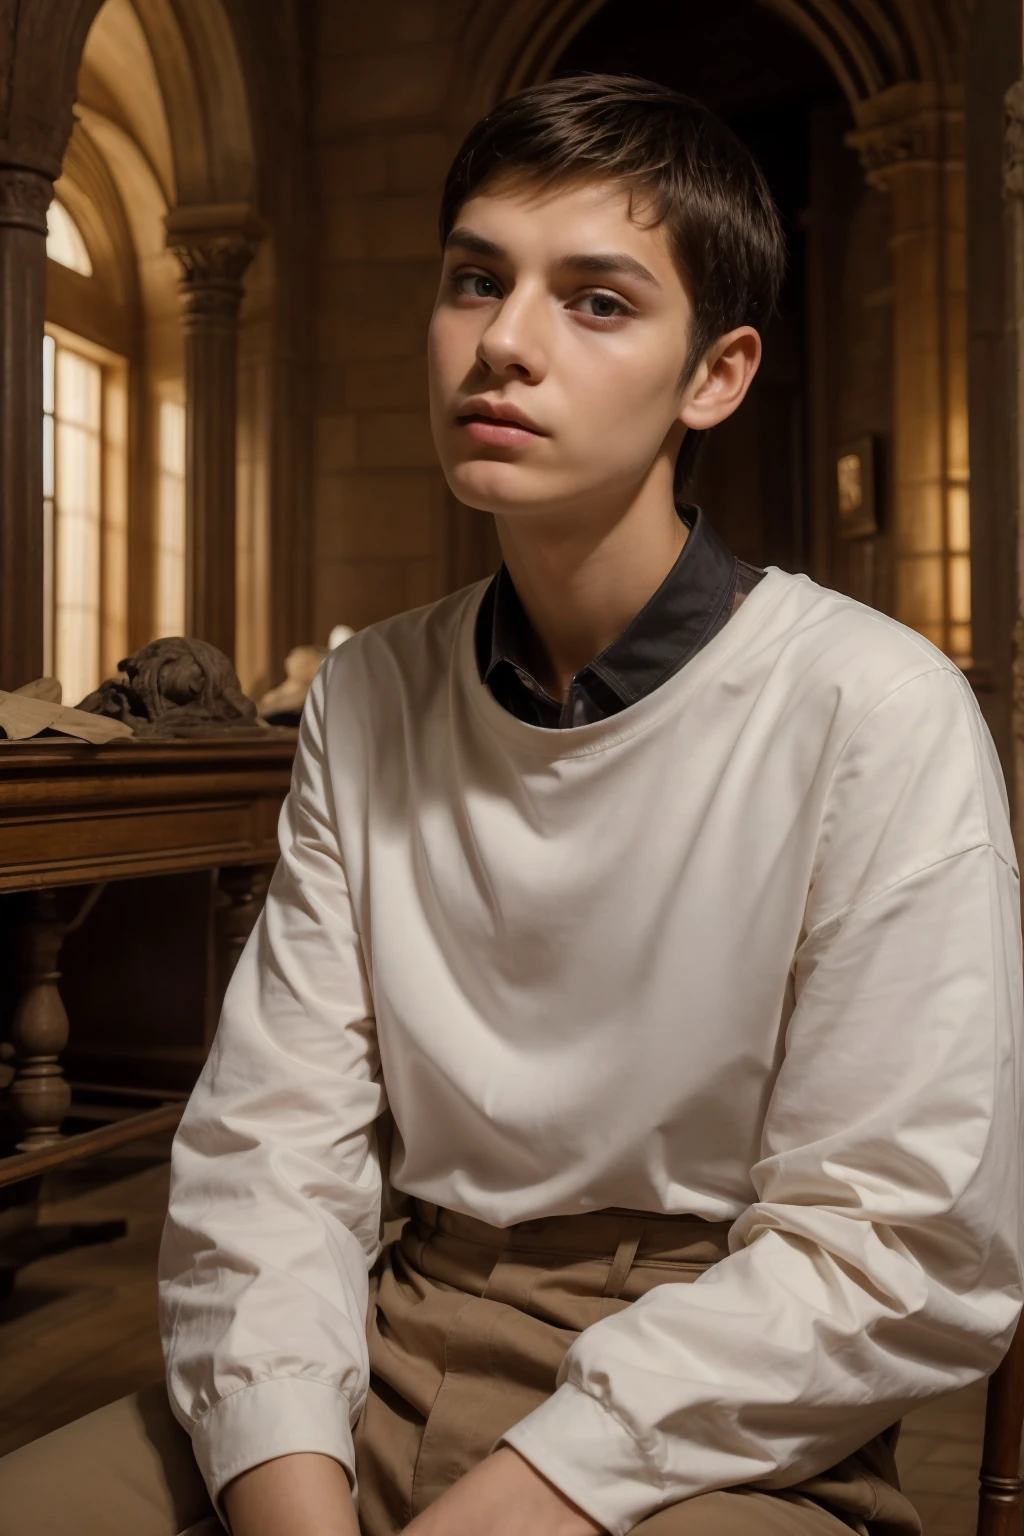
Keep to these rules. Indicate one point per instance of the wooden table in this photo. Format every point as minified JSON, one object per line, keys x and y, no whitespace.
{"x":78,"y":815}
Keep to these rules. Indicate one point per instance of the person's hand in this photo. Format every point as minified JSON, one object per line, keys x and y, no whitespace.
{"x":503,"y":1496}
{"x":301,"y":1495}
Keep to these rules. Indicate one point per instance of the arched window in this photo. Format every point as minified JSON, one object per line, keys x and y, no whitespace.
{"x":169,"y":605}
{"x":84,"y":509}
{"x":64,"y":243}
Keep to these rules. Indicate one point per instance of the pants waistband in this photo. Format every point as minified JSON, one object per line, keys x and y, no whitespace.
{"x":588,"y":1234}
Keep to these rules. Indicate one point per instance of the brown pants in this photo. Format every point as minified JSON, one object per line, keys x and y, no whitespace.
{"x":468,"y":1324}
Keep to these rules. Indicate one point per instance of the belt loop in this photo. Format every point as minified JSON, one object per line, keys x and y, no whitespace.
{"x":428,"y":1213}
{"x":625,"y":1253}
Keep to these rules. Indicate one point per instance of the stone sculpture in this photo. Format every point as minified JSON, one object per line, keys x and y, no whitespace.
{"x":177,"y":688}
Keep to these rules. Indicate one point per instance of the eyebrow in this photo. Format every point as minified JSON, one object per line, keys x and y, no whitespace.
{"x":600,"y":263}
{"x":470,"y":242}
{"x":611,"y":263}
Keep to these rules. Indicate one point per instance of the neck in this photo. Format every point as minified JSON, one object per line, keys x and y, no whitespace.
{"x":583,"y":576}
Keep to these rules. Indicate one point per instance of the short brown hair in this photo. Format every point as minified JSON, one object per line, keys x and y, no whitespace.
{"x":704,"y":184}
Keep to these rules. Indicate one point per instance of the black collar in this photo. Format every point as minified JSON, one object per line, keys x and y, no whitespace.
{"x":691,"y":605}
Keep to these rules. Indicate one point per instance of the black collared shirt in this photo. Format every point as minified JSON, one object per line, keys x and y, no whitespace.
{"x":697,"y":598}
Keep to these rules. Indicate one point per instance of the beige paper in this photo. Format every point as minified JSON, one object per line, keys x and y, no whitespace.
{"x":37,"y":707}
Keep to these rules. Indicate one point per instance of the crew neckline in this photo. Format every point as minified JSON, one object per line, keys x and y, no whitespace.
{"x":601,"y":735}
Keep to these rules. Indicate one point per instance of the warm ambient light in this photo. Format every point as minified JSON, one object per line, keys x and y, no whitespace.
{"x":64,"y":243}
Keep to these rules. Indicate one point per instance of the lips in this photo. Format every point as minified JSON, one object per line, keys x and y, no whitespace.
{"x":499,"y":425}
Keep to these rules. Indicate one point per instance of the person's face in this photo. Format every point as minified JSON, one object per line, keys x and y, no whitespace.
{"x":560,"y":313}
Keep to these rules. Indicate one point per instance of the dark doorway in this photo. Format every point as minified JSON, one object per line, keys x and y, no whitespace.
{"x":773,"y":88}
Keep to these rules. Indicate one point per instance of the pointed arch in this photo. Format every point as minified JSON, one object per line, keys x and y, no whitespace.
{"x":870,"y":45}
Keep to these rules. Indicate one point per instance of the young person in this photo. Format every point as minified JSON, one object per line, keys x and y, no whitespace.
{"x":646,"y":929}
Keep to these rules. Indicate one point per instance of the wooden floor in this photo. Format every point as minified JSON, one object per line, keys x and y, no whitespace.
{"x":80,"y":1330}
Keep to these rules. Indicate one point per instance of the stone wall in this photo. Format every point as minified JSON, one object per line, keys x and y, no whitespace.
{"x":382,"y":148}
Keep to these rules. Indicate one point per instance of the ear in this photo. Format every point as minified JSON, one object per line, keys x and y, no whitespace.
{"x":725,"y":373}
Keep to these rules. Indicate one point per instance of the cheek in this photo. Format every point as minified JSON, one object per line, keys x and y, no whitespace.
{"x":449,"y":345}
{"x":624,"y":393}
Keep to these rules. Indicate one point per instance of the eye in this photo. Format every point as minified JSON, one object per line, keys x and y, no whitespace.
{"x":604,"y":306}
{"x":475,"y":285}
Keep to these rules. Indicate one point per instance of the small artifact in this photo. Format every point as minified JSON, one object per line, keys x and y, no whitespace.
{"x":283,"y":704}
{"x":176,"y":687}
{"x":36,"y":710}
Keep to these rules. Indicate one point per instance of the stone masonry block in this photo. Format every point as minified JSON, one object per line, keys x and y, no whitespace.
{"x":336,"y":443}
{"x":360,"y":164}
{"x":424,"y":582}
{"x":402,"y":226}
{"x":355,"y":29}
{"x":395,"y":384}
{"x":346,"y":337}
{"x":342,"y":229}
{"x":369,"y":516}
{"x":329,"y":390}
{"x":396,"y":440}
{"x":418,"y":162}
{"x":371,"y":309}
{"x":357,"y":593}
{"x":390,"y":228}
{"x":377,"y":87}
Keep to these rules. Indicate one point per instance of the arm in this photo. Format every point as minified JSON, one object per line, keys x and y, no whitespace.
{"x":276,"y":1187}
{"x":300,"y":1495}
{"x":878,"y":1264}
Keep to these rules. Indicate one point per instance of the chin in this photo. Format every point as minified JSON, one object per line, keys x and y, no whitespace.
{"x":493,"y":485}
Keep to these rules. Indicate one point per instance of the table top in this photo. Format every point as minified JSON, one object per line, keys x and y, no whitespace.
{"x":73,"y":813}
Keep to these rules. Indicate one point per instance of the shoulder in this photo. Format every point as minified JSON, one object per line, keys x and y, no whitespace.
{"x":855,"y":652}
{"x":902,"y":724}
{"x":853,"y":671}
{"x":398,"y":663}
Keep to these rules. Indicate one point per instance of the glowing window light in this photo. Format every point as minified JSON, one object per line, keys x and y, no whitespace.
{"x":64,"y":243}
{"x":170,"y":550}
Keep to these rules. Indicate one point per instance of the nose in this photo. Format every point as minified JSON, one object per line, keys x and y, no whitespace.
{"x":514,"y":345}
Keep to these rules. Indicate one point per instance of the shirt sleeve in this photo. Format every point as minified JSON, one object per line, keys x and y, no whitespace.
{"x":275,"y":1204}
{"x":878,"y":1264}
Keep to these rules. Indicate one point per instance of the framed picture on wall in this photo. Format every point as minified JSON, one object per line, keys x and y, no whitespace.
{"x":857,"y":487}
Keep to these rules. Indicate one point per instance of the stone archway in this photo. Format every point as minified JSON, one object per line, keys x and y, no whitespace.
{"x":205,"y":176}
{"x":900,"y":64}
{"x":185,"y":104}
{"x":40,"y":49}
{"x":870,"y":46}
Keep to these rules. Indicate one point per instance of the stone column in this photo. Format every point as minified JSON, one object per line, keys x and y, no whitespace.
{"x":215,"y":246}
{"x":910,"y":140}
{"x":24,"y":198}
{"x":1013,"y":191}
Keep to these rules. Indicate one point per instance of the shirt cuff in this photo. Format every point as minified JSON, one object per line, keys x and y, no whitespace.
{"x":277,"y":1417}
{"x":590,"y":1457}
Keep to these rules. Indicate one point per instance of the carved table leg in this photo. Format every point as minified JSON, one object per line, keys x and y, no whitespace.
{"x":39,"y":1091}
{"x":244,"y":887}
{"x":240,"y":884}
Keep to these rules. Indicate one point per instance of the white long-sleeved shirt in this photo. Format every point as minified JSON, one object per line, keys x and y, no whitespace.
{"x":749,"y":949}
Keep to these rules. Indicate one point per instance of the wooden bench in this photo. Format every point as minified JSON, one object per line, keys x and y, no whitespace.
{"x":1000,"y":1501}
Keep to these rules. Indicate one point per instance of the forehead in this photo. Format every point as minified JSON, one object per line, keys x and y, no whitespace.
{"x":527,"y":218}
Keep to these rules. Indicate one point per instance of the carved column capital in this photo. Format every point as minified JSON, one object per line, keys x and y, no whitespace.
{"x":212,"y":268}
{"x":913,"y":125}
{"x":1013,"y":142}
{"x":215,"y":246}
{"x":928,"y":139}
{"x":24,"y":198}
